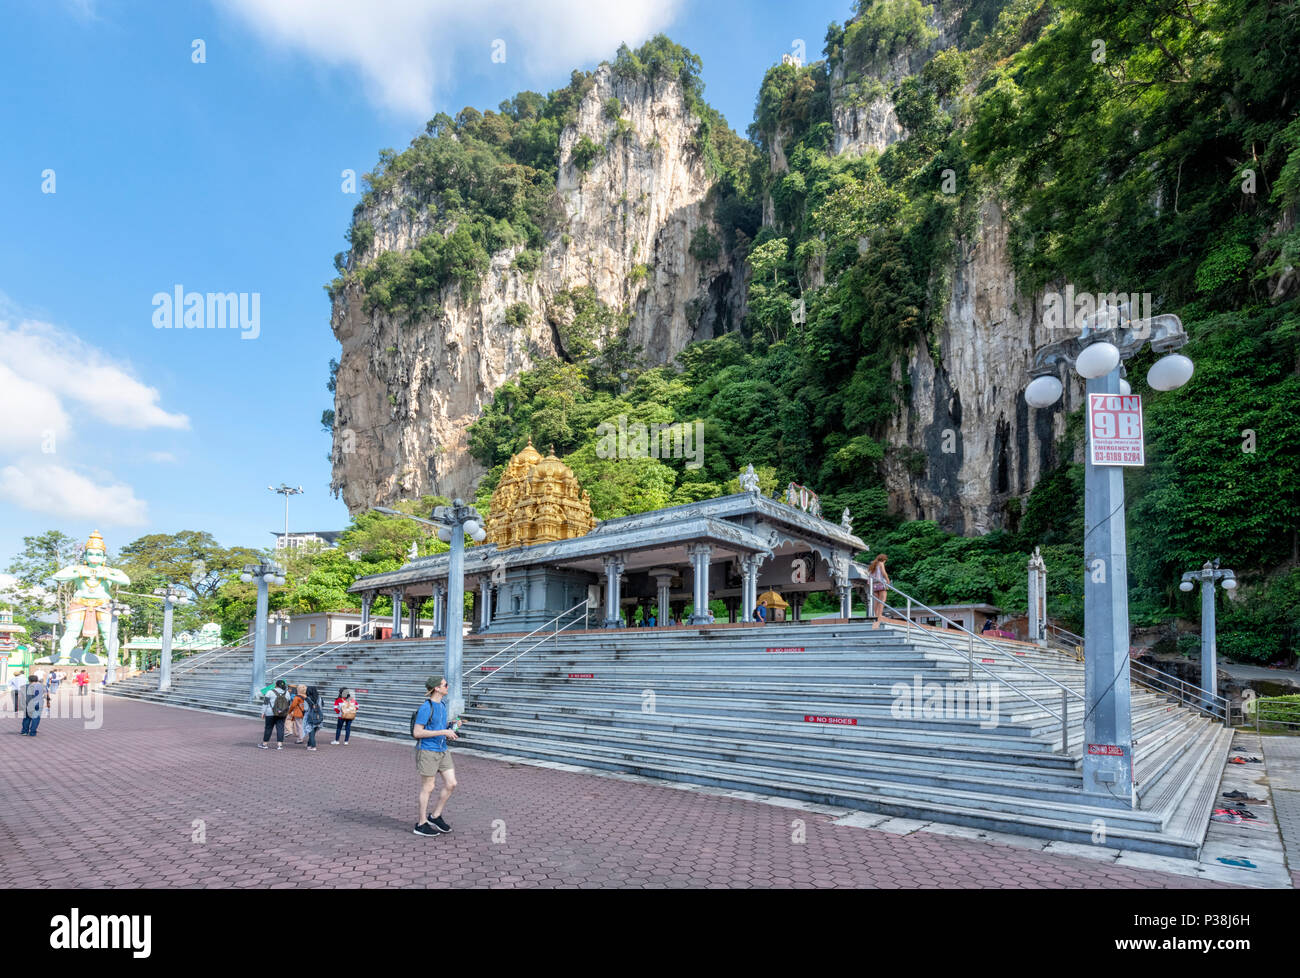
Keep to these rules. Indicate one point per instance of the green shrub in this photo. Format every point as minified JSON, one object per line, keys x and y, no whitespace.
{"x":704,"y":245}
{"x":518,"y":314}
{"x":585,"y":153}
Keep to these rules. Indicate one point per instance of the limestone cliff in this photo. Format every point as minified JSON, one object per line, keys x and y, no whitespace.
{"x":408,"y":386}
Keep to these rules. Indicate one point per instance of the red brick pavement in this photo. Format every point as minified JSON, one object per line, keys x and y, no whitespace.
{"x":342,"y":817}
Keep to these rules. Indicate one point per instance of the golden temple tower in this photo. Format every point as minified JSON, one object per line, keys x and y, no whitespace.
{"x":537,"y":501}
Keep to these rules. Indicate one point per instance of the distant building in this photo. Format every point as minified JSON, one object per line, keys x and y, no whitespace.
{"x":337,"y":626}
{"x":293,"y":541}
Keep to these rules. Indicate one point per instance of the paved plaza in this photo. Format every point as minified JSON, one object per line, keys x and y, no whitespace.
{"x":179,"y":798}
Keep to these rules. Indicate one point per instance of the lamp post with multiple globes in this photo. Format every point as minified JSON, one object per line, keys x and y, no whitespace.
{"x":1097,"y":355}
{"x":1209,"y":573}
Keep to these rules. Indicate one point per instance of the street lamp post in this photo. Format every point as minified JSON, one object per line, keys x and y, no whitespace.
{"x":286,"y":491}
{"x":265,"y":574}
{"x":1097,"y":355}
{"x":117,"y":611}
{"x":453,"y":522}
{"x":171,"y":596}
{"x":1209,"y":573}
{"x":281,"y":620}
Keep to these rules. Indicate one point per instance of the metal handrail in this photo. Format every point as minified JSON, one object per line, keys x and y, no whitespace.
{"x":972,"y":638}
{"x":1063,"y":716}
{"x":1065,"y":641}
{"x":337,"y":645}
{"x":1187,"y":693}
{"x":585,"y":605}
{"x":214,"y":653}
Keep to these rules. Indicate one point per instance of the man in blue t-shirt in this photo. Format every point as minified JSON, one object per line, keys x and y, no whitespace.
{"x":432,"y":756}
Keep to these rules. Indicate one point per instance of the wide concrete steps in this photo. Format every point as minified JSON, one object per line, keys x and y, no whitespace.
{"x":727,"y":712}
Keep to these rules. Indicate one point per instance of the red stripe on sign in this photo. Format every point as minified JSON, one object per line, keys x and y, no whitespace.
{"x":986,"y":660}
{"x":1021,"y":653}
{"x":488,"y":668}
{"x":362,"y":691}
{"x":340,"y":667}
{"x":846,"y":721}
{"x":582,"y":675}
{"x":799,"y":649}
{"x":1107,"y":750}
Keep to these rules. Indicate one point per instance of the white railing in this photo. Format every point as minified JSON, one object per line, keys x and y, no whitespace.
{"x":969,"y":653}
{"x":553,"y":624}
{"x":281,"y":670}
{"x":203,"y":658}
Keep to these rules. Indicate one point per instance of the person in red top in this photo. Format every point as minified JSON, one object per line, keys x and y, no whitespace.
{"x":83,"y":680}
{"x":346,"y":708}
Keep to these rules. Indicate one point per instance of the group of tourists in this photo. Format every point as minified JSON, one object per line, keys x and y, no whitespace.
{"x":301,"y":709}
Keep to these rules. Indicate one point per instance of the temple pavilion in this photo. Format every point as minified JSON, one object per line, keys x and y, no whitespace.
{"x":545,"y":556}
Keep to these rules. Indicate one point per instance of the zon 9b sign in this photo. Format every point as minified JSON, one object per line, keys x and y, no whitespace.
{"x":1115,"y":429}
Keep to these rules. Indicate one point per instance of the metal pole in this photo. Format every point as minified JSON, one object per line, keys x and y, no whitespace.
{"x":455,"y":613}
{"x":259,"y":637}
{"x":1065,"y":721}
{"x":1107,"y":773}
{"x":1209,"y":652}
{"x":165,"y":670}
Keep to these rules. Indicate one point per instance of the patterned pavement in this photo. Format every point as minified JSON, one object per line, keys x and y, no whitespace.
{"x":1282,"y":755}
{"x":178,"y":798}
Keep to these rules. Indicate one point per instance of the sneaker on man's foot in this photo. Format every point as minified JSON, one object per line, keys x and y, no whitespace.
{"x":311,"y":748}
{"x":442,"y":826}
{"x":426,"y":828}
{"x":279,"y":746}
{"x":334,"y":742}
{"x":263,"y":746}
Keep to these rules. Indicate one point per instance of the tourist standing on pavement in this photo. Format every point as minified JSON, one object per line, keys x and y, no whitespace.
{"x":296,"y":709}
{"x":274,"y":710}
{"x":16,"y":683}
{"x":82,"y":680}
{"x":879,"y":578}
{"x":346,"y":707}
{"x":34,"y":692}
{"x":313,"y":717}
{"x":431,"y":733}
{"x":56,"y":677}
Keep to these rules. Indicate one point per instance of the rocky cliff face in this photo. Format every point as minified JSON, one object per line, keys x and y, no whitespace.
{"x":966,"y":443}
{"x":408,"y":388}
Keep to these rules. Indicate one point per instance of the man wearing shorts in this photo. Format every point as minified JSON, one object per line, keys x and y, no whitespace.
{"x":433,"y":757}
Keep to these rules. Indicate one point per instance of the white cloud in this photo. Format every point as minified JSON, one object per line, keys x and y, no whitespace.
{"x":404,"y":49}
{"x":32,"y":413}
{"x":55,"y":490}
{"x":65,"y":367}
{"x":162,"y":458}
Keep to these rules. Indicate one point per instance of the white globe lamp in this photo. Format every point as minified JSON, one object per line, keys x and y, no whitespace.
{"x":1043,"y":392}
{"x":1170,"y":372}
{"x":1097,"y":360}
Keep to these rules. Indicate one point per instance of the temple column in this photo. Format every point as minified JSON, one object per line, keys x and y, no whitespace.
{"x":397,"y":613}
{"x":663,"y":579}
{"x":485,"y":604}
{"x":732,"y":605}
{"x":365,"y":614}
{"x":414,"y":629}
{"x":439,"y":609}
{"x":614,"y":565}
{"x":749,"y":565}
{"x":700,"y":554}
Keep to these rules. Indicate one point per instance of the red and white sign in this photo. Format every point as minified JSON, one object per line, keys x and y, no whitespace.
{"x":582,"y":675}
{"x":846,"y":721}
{"x":799,"y":649}
{"x":1106,"y":750}
{"x":1115,"y":429}
{"x":488,"y":668}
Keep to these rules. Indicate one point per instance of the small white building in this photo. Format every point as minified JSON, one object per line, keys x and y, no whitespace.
{"x":306,"y":628}
{"x":326,"y":539}
{"x":970,"y":616}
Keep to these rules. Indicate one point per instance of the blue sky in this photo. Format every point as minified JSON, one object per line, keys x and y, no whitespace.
{"x":225,"y":175}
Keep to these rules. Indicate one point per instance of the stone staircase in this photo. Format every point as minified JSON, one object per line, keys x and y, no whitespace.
{"x":712,"y":706}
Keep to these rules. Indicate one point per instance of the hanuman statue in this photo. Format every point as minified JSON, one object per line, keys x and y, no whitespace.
{"x":90,"y":609}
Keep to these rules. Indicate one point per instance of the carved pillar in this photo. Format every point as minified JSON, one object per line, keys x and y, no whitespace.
{"x":397,"y":612}
{"x":1037,"y":599}
{"x":414,"y":629}
{"x":365,"y":613}
{"x":614,"y":565}
{"x":749,"y":565}
{"x":485,"y":603}
{"x":700,"y":554}
{"x":440,"y":609}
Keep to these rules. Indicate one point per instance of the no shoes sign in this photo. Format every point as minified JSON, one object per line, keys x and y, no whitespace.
{"x":1115,"y":429}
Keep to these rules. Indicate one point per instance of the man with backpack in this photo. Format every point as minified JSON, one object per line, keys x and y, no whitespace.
{"x":431,"y":731}
{"x":274,"y":711}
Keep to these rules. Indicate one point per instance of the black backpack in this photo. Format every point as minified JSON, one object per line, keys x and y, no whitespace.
{"x":416,"y":714}
{"x":280,"y":707}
